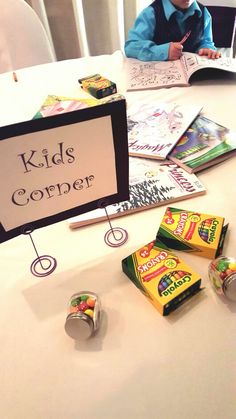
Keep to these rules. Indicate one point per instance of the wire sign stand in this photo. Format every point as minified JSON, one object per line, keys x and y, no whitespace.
{"x":43,"y":265}
{"x":49,"y":151}
{"x":115,"y":236}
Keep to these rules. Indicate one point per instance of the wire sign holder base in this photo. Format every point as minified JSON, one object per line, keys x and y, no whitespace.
{"x":115,"y":236}
{"x":43,"y":265}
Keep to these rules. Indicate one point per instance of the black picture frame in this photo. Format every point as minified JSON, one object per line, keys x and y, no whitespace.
{"x":117,"y":111}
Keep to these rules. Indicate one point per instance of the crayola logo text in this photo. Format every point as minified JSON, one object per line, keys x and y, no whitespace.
{"x":212,"y":231}
{"x":208,"y":232}
{"x":172,"y":288}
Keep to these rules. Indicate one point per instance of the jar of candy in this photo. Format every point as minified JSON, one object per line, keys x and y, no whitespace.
{"x":222,"y":273}
{"x":83,"y":315}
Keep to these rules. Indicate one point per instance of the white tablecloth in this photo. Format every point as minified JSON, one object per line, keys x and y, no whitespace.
{"x":140,"y":364}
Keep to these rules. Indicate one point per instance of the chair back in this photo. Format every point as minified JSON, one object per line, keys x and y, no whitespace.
{"x":223,"y":25}
{"x":23,"y":38}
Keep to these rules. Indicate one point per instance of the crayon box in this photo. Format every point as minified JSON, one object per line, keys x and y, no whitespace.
{"x":161,"y":276}
{"x":98,"y":86}
{"x":189,"y":231}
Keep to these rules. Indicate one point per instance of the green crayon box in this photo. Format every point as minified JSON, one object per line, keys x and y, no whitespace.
{"x":98,"y":86}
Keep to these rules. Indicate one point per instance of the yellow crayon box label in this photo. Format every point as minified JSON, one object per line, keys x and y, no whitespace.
{"x":190,"y":231}
{"x":161,"y":276}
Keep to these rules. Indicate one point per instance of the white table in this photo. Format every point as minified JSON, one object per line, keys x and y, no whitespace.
{"x":140,"y":365}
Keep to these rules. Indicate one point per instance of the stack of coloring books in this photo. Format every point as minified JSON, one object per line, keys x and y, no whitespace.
{"x":179,"y":133}
{"x":167,"y":144}
{"x":151,"y":184}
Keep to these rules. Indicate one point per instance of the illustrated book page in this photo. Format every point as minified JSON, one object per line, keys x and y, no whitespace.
{"x":151,"y":184}
{"x":142,"y":75}
{"x":155,"y":128}
{"x":192,"y":63}
{"x":204,"y":144}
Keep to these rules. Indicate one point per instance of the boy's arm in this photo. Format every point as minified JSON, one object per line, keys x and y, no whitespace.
{"x":207,"y":40}
{"x":207,"y":47}
{"x":139,"y":43}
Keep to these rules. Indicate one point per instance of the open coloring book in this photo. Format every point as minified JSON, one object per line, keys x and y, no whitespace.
{"x":156,"y":74}
{"x":155,"y":128}
{"x":151,"y":184}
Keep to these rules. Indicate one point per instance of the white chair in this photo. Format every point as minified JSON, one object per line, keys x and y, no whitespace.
{"x":23,"y":39}
{"x":223,"y":15}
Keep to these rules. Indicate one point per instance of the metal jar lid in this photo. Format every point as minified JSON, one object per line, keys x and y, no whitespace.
{"x":229,"y":287}
{"x":79,"y":326}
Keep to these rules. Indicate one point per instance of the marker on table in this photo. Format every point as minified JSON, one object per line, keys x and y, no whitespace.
{"x":185,"y":37}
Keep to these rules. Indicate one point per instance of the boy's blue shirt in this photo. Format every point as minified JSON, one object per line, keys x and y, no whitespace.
{"x":139,"y":44}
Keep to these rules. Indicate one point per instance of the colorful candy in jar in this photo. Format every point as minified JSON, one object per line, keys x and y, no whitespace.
{"x":222,"y":274}
{"x":84,"y":314}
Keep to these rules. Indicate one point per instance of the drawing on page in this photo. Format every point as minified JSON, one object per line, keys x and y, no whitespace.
{"x":155,"y":120}
{"x":192,"y":61}
{"x":152,"y":127}
{"x":142,"y":169}
{"x":153,"y":74}
{"x":146,"y":193}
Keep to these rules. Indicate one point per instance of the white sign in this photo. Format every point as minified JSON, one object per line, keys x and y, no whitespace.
{"x":49,"y":171}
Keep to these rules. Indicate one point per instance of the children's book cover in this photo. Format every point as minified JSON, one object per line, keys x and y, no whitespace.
{"x":151,"y":184}
{"x":204,"y":144}
{"x":55,"y":105}
{"x":155,"y":128}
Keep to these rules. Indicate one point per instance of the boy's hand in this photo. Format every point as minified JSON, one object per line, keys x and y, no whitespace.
{"x":210,"y":53}
{"x":175,"y":51}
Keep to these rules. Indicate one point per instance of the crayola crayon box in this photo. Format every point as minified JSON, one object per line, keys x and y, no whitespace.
{"x":98,"y":86}
{"x":189,"y":231}
{"x":161,"y":276}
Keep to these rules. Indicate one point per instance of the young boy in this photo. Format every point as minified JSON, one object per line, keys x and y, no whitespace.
{"x":159,"y":31}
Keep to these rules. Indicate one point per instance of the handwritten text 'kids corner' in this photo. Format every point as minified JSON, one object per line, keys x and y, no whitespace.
{"x":35,"y":160}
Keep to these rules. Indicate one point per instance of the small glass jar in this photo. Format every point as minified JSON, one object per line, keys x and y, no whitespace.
{"x":83,"y":315}
{"x":222,"y":274}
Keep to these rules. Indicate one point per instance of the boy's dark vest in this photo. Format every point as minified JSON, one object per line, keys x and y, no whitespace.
{"x":168,"y":31}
